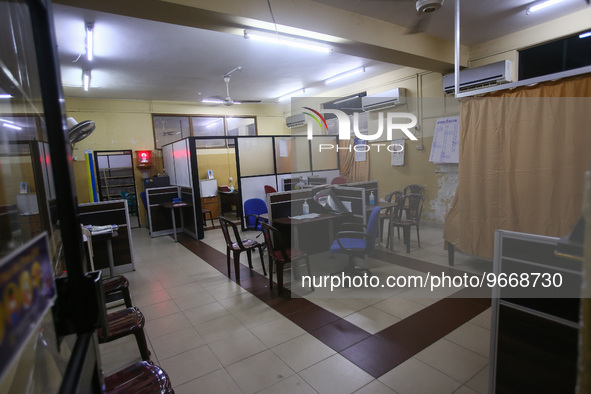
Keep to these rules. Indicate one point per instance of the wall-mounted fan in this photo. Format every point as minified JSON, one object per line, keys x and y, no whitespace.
{"x":228,"y":100}
{"x":79,"y":131}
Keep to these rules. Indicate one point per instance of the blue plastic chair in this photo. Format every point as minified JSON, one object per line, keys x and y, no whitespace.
{"x":357,"y":243}
{"x":252,"y":209}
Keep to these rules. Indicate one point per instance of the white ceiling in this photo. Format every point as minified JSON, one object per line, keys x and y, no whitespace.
{"x":146,"y":60}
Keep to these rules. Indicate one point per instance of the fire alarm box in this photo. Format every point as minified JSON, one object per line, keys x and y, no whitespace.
{"x":144,"y":159}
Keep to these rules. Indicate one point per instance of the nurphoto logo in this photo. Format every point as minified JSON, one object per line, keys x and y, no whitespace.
{"x":344,"y":128}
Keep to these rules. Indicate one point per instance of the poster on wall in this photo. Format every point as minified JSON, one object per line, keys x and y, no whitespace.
{"x":27,"y":292}
{"x":360,"y":154}
{"x":397,"y":155}
{"x":446,"y":141}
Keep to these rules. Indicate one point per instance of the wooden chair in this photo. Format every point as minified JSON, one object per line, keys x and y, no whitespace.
{"x":412,"y":206}
{"x":142,"y":377}
{"x":126,"y":322}
{"x":279,"y":256}
{"x":237,"y":246}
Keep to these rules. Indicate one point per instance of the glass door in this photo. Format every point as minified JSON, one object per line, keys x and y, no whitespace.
{"x":40,"y":238}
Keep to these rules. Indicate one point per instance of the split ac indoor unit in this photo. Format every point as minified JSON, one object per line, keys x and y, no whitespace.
{"x":295,"y":120}
{"x":479,"y":77}
{"x":387,"y":99}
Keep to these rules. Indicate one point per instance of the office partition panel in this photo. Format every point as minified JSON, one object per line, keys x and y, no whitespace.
{"x":254,"y":187}
{"x":300,"y":154}
{"x":180,"y":152}
{"x":324,"y":153}
{"x":168,"y":161}
{"x":256,"y":156}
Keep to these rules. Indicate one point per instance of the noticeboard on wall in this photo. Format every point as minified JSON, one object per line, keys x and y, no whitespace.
{"x":446,"y":141}
{"x":397,"y":152}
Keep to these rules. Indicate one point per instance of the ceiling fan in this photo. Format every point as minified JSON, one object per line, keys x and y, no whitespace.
{"x":425,"y":9}
{"x":229,"y":100}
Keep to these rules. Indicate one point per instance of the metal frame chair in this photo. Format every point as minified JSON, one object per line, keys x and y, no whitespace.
{"x":280,"y":255}
{"x":238,"y":246}
{"x":412,"y":206}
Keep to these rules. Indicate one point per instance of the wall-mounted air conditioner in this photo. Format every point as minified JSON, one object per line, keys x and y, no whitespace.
{"x":479,"y":77}
{"x":295,"y":120}
{"x":387,"y":99}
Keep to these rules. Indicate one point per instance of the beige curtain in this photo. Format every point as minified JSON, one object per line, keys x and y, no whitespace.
{"x":523,"y":154}
{"x":354,"y":171}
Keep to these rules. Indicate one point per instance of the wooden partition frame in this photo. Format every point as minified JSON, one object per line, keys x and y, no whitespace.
{"x":108,"y":213}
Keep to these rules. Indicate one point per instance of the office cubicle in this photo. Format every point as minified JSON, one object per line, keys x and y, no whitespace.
{"x":177,"y":164}
{"x":259,"y":160}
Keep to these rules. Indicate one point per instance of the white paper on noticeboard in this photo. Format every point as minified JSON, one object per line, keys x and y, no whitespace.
{"x":446,"y":141}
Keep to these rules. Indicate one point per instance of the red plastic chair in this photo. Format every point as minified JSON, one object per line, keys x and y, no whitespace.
{"x":339,"y":180}
{"x":125,"y":322}
{"x":269,"y":189}
{"x":142,"y":377}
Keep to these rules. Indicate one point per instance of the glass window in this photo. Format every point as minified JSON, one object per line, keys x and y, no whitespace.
{"x":169,"y":129}
{"x":206,"y":127}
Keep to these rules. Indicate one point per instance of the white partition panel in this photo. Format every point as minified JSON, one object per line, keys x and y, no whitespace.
{"x":168,"y":161}
{"x":254,"y":187}
{"x":181,"y":163}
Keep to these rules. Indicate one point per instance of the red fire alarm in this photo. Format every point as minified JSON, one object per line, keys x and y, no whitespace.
{"x":144,"y":159}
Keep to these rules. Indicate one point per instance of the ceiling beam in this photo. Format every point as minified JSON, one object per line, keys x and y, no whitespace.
{"x":347,"y":33}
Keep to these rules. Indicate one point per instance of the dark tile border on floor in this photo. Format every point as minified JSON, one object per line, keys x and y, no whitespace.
{"x":378,"y":353}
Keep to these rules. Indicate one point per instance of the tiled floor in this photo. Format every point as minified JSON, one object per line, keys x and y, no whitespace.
{"x":212,"y":335}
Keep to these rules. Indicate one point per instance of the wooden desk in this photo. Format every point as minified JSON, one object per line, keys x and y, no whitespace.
{"x":227,"y":199}
{"x":172,"y":206}
{"x":298,"y":224}
{"x":212,"y":203}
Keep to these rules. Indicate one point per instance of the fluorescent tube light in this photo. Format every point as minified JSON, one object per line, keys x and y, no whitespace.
{"x":542,"y":5}
{"x":86,"y":80}
{"x":11,"y":126}
{"x":5,"y":96}
{"x":585,"y":35}
{"x":293,"y":42}
{"x":344,"y":75}
{"x":289,"y":95}
{"x":89,"y":41}
{"x":217,"y":101}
